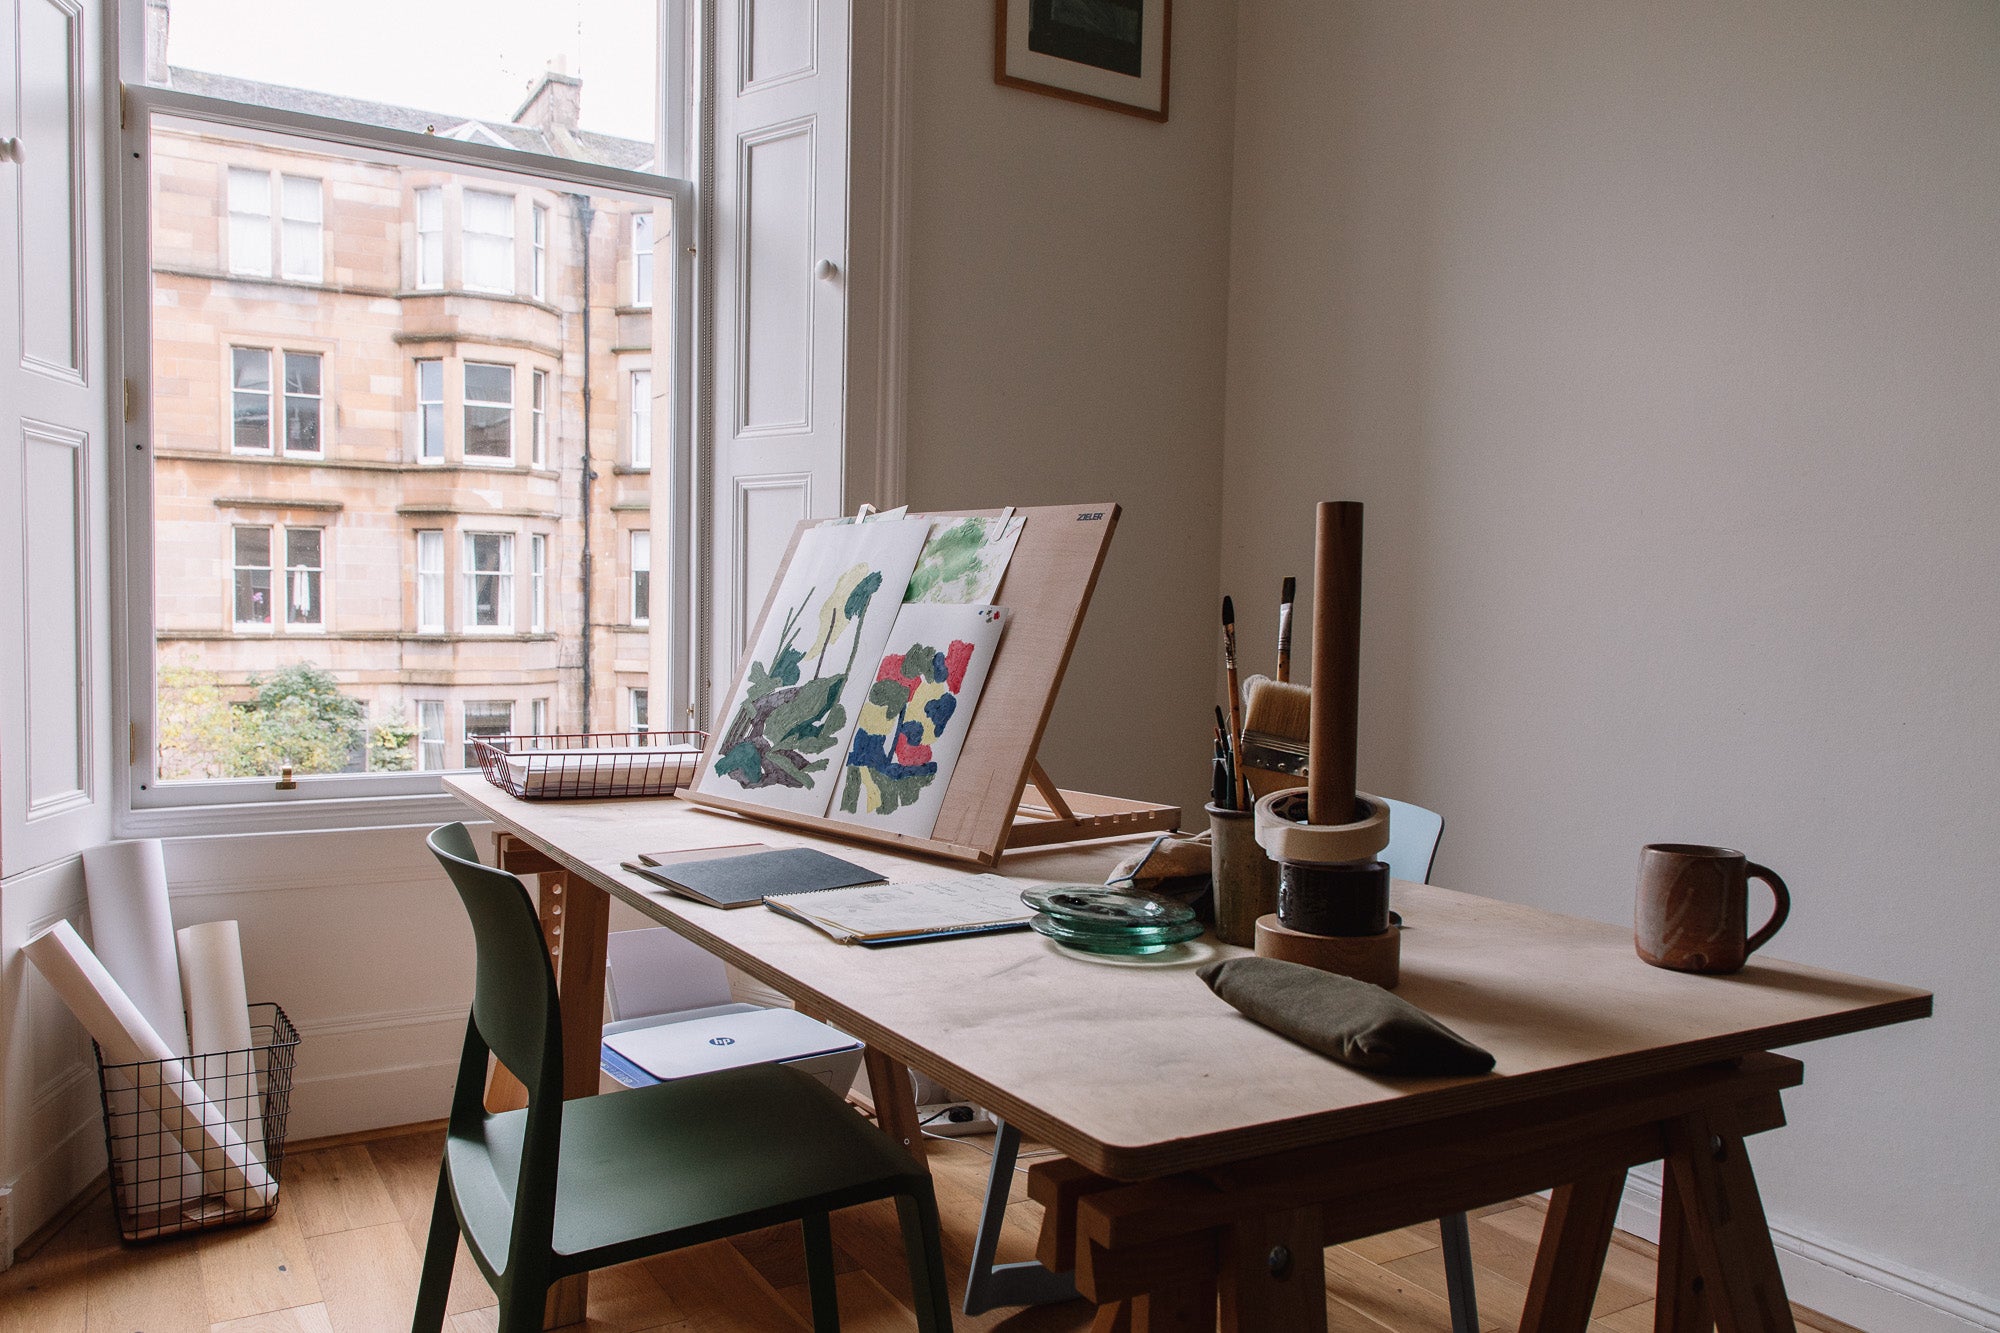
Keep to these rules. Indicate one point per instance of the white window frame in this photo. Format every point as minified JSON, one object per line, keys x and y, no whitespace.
{"x":639,"y":421}
{"x":470,"y":575}
{"x":268,"y":393}
{"x":431,"y":427}
{"x":538,"y":717}
{"x":466,"y":735}
{"x":468,"y":404}
{"x":429,"y":226}
{"x":248,"y":236}
{"x":538,"y":418}
{"x":538,"y":252}
{"x":432,"y":742}
{"x":293,"y":569}
{"x":538,"y":583}
{"x":638,"y":710}
{"x":284,"y":397}
{"x":475,"y":244}
{"x":640,"y":605}
{"x":642,"y":259}
{"x":431,"y":583}
{"x":146,"y":807}
{"x":237,"y":568}
{"x":301,"y":228}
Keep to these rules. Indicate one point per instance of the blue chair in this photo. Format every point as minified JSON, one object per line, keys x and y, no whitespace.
{"x":1412,"y":851}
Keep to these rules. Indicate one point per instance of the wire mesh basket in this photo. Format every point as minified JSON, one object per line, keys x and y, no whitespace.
{"x":593,"y":763}
{"x":240,"y":1098}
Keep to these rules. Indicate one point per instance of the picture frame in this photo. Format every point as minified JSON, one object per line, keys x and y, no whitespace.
{"x":1114,"y":54}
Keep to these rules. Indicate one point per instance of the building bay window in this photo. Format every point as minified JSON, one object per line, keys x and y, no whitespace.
{"x":642,"y":577}
{"x":430,"y":735}
{"x":250,"y":400}
{"x":489,"y":412}
{"x":302,"y":252}
{"x":489,"y":581}
{"x":430,"y":581}
{"x":489,"y":241}
{"x":641,"y":388}
{"x":430,"y":411}
{"x":485,"y":717}
{"x":430,"y":237}
{"x":642,"y":259}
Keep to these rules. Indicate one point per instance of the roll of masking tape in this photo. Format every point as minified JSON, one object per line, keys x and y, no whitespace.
{"x":1283,"y":833}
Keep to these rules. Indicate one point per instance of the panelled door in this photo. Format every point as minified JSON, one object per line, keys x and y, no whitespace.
{"x":778,"y":265}
{"x":54,"y":451}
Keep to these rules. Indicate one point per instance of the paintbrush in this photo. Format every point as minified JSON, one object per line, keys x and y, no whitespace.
{"x":1284,"y":671}
{"x":1277,"y":719}
{"x":1242,"y":792}
{"x":1228,"y":753}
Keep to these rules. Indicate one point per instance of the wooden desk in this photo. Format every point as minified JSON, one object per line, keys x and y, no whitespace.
{"x":1203,"y":1148}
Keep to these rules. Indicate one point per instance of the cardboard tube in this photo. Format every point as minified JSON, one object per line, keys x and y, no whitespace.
{"x":133,"y":927}
{"x":219,"y":1025}
{"x":125,"y":1037}
{"x":1336,"y":678}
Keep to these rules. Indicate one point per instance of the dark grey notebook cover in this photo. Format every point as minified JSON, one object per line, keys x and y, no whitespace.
{"x":742,"y":881}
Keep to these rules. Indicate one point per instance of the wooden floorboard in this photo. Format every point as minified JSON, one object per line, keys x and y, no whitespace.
{"x":343,"y":1251}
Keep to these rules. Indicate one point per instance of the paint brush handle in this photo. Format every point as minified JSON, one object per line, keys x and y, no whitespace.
{"x":1284,"y":671}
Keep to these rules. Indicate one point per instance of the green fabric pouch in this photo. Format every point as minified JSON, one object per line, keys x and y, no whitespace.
{"x":1352,"y":1021}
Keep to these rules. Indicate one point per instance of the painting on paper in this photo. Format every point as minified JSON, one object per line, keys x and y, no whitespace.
{"x":913,"y":722}
{"x":964,"y":559}
{"x":785,"y":728}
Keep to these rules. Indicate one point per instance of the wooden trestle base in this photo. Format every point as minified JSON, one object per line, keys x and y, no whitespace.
{"x":1239,"y":1246}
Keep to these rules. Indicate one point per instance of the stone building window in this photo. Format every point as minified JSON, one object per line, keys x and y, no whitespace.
{"x":538,"y":265}
{"x":489,"y":581}
{"x":489,"y":412}
{"x":642,"y":259}
{"x":305,"y":570}
{"x":295,"y":232}
{"x":430,"y":735}
{"x":430,"y":237}
{"x":641,"y":389}
{"x":430,"y":411}
{"x":489,"y":241}
{"x":253,"y":414}
{"x":642,"y":577}
{"x":538,"y":437}
{"x":538,"y":583}
{"x":251,"y":577}
{"x":430,"y":581}
{"x":485,"y":717}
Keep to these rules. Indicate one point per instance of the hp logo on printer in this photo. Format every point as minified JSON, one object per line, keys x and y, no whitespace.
{"x":722,"y":1041}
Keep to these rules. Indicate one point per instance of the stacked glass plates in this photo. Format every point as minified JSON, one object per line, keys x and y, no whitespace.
{"x":1101,"y":920}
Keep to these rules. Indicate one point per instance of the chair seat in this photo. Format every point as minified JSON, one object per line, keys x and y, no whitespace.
{"x":687,"y":1161}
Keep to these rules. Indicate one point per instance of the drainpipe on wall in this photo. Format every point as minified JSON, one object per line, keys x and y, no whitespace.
{"x":585,"y":215}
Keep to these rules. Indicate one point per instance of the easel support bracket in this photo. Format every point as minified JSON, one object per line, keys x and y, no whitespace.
{"x":1078,"y":816}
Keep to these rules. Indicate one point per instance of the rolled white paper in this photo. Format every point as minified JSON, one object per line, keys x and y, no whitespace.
{"x":219,"y":1024}
{"x":124,"y":1035}
{"x":133,"y":928}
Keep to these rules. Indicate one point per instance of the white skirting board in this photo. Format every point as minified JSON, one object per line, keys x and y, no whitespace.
{"x":1854,"y":1289}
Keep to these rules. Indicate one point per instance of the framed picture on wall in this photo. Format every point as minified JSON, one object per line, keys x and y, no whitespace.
{"x":1108,"y":53}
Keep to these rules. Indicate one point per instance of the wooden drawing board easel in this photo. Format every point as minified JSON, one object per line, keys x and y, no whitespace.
{"x":1046,"y":591}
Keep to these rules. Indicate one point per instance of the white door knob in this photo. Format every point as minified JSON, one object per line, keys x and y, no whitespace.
{"x":10,"y":150}
{"x":827,"y":270}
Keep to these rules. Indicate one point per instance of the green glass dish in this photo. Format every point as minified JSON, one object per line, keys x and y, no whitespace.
{"x":1086,"y":905}
{"x":1129,"y":940}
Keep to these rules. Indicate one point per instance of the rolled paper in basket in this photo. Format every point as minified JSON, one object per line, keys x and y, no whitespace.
{"x":219,"y":1025}
{"x":125,"y":1037}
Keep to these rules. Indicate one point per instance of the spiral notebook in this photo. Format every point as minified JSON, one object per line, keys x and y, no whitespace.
{"x":903,"y":913}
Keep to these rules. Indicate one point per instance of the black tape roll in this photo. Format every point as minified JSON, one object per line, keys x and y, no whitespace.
{"x":1337,"y":898}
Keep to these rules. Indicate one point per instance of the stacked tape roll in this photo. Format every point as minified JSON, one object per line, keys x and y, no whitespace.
{"x":125,"y":1037}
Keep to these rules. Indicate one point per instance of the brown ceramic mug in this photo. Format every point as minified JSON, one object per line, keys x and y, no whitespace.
{"x":1693,"y":907}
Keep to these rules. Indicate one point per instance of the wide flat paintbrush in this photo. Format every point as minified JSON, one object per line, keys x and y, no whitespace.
{"x":1277,"y":719}
{"x":1235,"y":699}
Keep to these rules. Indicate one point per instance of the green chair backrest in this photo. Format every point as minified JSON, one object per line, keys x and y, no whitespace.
{"x":514,"y":1004}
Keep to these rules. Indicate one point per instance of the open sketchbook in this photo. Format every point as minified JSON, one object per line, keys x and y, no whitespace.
{"x":899,"y":913}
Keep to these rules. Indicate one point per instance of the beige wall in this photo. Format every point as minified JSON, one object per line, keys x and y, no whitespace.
{"x":1661,"y":341}
{"x":1066,"y":337}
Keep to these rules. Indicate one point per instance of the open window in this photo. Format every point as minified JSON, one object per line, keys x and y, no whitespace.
{"x":379,"y":478}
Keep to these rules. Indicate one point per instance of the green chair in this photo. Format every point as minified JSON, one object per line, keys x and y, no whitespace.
{"x":565,"y":1187}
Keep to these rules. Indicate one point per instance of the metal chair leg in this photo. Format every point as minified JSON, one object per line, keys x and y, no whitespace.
{"x":1458,"y":1273}
{"x":986,"y":1286}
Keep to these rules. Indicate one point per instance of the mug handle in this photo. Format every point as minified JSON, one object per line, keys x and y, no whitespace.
{"x":1780,"y":909}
